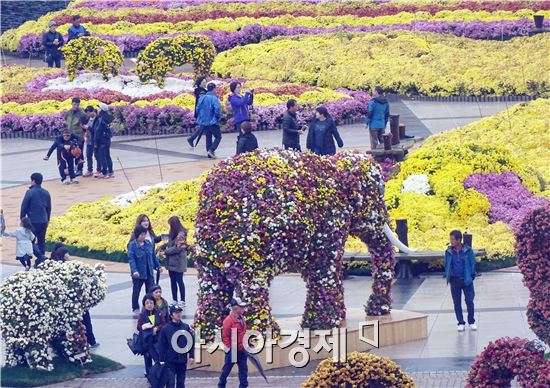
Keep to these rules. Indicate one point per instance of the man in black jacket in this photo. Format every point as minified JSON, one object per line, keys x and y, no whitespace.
{"x":65,"y":144}
{"x":52,"y":41}
{"x":37,"y":205}
{"x":176,"y":359}
{"x":291,"y":130}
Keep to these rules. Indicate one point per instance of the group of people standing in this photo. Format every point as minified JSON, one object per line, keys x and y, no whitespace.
{"x":52,"y":40}
{"x":89,"y":130}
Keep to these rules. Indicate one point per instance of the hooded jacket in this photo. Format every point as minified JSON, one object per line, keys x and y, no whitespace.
{"x":24,"y":238}
{"x":102,"y":129}
{"x":469,"y":264}
{"x":378,"y":113}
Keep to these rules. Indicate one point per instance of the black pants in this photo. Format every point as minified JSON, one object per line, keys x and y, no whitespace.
{"x":40,"y":233}
{"x":25,"y":260}
{"x":457,"y":287}
{"x":196,"y":135}
{"x":136,"y":289}
{"x":228,"y":365}
{"x":66,"y":162}
{"x":51,"y":59}
{"x":212,"y":130}
{"x":87,"y":321}
{"x":176,"y":280}
{"x":295,"y":147}
{"x":89,"y":157}
{"x":104,"y":161}
{"x":79,"y":162}
{"x":176,"y":377}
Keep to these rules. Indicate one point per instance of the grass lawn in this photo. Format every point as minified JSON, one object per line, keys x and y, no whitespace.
{"x":64,"y":370}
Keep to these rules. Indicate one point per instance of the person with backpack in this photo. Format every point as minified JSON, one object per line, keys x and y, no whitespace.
{"x":52,"y":41}
{"x":209,"y":113}
{"x":67,"y":149}
{"x":24,"y":236}
{"x":378,"y":114}
{"x":200,"y":90}
{"x":247,"y":142}
{"x":176,"y":360}
{"x":102,"y":142}
{"x":322,"y":133}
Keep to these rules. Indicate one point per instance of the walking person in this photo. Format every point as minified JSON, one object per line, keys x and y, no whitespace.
{"x":247,"y":142}
{"x":149,"y":325}
{"x":240,"y":104}
{"x":209,"y":113}
{"x":160,"y":303}
{"x":291,"y":129}
{"x":460,"y":268}
{"x":102,"y":142}
{"x":77,"y":30}
{"x":176,"y":361}
{"x":143,"y":261}
{"x":200,"y":90}
{"x":52,"y":41}
{"x":73,"y":121}
{"x":378,"y":114}
{"x":322,"y":133}
{"x":24,"y":236}
{"x":235,"y":320}
{"x":66,"y":147}
{"x":37,"y":205}
{"x":176,"y":251}
{"x":88,"y":125}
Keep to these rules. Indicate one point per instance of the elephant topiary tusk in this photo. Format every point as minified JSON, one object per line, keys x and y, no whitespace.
{"x":395,"y":241}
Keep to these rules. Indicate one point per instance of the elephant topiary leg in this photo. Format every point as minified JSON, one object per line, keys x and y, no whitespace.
{"x":215,"y":293}
{"x":382,"y":267}
{"x":324,"y":307}
{"x":255,"y":291}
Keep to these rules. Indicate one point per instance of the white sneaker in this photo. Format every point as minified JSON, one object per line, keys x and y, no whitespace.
{"x":65,"y":182}
{"x":211,"y":154}
{"x":473,"y":327}
{"x":135,"y":312}
{"x":74,"y":181}
{"x":460,"y":328}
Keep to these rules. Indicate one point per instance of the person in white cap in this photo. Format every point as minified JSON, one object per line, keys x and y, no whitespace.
{"x":102,"y":142}
{"x":52,"y":41}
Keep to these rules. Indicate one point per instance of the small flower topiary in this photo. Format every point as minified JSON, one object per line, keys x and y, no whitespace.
{"x":162,"y":55}
{"x":94,"y":54}
{"x":359,"y":370}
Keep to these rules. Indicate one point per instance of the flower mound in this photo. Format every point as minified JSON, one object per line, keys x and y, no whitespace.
{"x":44,"y":308}
{"x":360,"y":370}
{"x":509,"y":358}
{"x":533,"y":255}
{"x":163,"y":54}
{"x":92,"y":54}
{"x":271,"y":211}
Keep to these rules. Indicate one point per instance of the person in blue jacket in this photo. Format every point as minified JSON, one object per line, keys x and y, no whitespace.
{"x":239,"y":104}
{"x":76,"y":30}
{"x":209,"y":113}
{"x":378,"y":114}
{"x":143,"y":261}
{"x":460,"y":269}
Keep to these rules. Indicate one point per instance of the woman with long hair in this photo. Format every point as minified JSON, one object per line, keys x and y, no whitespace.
{"x":143,"y":220}
{"x":322,"y":133}
{"x":200,"y":90}
{"x":176,"y":251}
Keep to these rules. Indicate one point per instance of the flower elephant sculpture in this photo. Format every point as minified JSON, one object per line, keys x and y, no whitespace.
{"x":273,"y":211}
{"x":42,"y":309}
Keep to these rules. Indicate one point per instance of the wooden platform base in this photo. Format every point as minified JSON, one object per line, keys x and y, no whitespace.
{"x":398,"y":327}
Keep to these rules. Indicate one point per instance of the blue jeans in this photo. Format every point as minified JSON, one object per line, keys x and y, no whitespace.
{"x":242,"y":360}
{"x":457,"y":287}
{"x":212,"y":130}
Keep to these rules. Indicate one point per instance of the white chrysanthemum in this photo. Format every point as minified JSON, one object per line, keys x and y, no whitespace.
{"x":416,"y":183}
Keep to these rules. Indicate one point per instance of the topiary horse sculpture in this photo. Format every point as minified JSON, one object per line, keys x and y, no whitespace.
{"x":273,"y":211}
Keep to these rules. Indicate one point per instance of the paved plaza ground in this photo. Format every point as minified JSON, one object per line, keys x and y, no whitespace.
{"x":439,"y":361}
